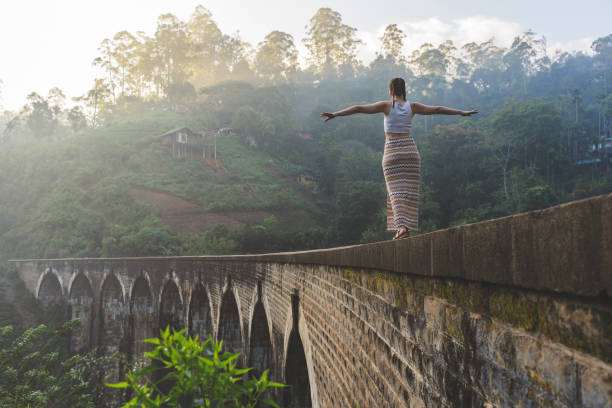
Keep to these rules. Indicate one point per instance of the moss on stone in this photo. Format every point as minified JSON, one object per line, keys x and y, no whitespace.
{"x":351,"y":275}
{"x":453,"y":323}
{"x":528,"y":311}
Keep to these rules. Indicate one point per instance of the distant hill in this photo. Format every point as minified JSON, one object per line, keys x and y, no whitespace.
{"x":85,"y":195}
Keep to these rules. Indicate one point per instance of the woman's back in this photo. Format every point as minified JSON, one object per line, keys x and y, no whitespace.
{"x":399,"y":119}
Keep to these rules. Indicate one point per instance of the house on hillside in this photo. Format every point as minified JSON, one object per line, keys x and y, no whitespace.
{"x":604,"y":150}
{"x":183,"y":142}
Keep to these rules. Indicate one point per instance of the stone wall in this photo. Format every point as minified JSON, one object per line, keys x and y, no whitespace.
{"x":509,"y":312}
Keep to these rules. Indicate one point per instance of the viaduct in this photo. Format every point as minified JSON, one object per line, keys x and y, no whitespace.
{"x":512,"y":312}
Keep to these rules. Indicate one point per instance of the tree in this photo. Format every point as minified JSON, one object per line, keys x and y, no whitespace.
{"x":428,"y":60}
{"x":525,"y":135}
{"x":231,"y":56}
{"x":455,"y":173}
{"x":276,"y":58}
{"x":241,"y":71}
{"x":170,"y":51}
{"x":332,"y":45}
{"x":106,"y":62}
{"x":38,"y":371}
{"x":602,"y":47}
{"x":254,"y":125}
{"x":124,"y":52}
{"x":200,"y":373}
{"x":393,"y":42}
{"x":95,"y":99}
{"x":603,"y":51}
{"x":577,"y":99}
{"x":484,"y":63}
{"x":57,"y":98}
{"x":526,"y":56}
{"x":206,"y":40}
{"x":41,"y":119}
{"x":147,"y":70}
{"x":77,"y":119}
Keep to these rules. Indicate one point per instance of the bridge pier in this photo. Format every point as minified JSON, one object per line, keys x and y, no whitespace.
{"x":508,"y":312}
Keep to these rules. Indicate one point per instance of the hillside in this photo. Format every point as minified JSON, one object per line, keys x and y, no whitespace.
{"x":88,"y":194}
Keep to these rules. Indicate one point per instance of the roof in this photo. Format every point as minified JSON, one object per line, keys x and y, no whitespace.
{"x":179,"y":129}
{"x":588,"y":161}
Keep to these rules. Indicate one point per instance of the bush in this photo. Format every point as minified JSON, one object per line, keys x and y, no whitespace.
{"x":201,"y":375}
{"x":39,"y":372}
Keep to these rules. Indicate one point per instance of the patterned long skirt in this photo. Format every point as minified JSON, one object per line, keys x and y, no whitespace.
{"x":402,"y":169}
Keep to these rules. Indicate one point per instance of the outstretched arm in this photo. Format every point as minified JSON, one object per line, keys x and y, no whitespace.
{"x":419,"y":108}
{"x":378,"y":107}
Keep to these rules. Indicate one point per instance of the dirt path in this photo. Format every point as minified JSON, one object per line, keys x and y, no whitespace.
{"x":182,"y":215}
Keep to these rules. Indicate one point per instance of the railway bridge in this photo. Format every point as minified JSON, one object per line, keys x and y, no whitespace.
{"x":509,"y":312}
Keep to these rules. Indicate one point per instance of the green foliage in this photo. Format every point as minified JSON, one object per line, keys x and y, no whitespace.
{"x":332,"y":44}
{"x":38,"y":372}
{"x":67,"y":188}
{"x":200,"y":374}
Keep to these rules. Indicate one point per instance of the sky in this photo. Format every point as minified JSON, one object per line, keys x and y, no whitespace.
{"x":44,"y":44}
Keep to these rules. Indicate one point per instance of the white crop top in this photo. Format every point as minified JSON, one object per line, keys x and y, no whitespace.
{"x":399,"y":119}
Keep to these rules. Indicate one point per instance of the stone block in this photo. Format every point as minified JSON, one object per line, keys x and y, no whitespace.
{"x":413,"y":255}
{"x":487,"y":251}
{"x":558,"y":248}
{"x":447,"y":253}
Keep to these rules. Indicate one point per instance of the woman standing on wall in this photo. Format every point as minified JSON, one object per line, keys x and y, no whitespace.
{"x":401,"y":161}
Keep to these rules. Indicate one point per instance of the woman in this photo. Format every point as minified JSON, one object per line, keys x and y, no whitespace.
{"x":401,"y":161}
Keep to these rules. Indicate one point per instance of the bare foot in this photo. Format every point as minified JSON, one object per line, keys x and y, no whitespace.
{"x":402,"y":232}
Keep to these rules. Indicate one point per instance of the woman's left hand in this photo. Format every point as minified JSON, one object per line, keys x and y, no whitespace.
{"x":328,"y":115}
{"x":469,"y":113}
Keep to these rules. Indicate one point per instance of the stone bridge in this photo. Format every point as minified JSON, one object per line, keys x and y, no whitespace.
{"x":510,"y":312}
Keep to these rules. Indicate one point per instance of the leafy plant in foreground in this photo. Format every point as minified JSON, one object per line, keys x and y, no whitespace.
{"x":37,"y":372}
{"x":200,"y":375}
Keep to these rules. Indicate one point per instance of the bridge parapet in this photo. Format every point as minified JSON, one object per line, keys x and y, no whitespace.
{"x":510,"y":311}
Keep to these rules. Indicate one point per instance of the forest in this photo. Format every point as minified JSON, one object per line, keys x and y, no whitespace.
{"x":69,"y":167}
{"x":542,"y":137}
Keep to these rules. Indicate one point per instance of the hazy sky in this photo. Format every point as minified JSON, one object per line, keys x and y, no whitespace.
{"x":47,"y":43}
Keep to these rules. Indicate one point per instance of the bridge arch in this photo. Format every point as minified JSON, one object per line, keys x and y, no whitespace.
{"x":199,"y":315}
{"x":297,"y":365}
{"x":112,"y":312}
{"x":261,"y":343}
{"x":49,"y":286}
{"x":142,"y":315}
{"x":230,"y":323}
{"x":81,"y":306}
{"x":171,"y":305}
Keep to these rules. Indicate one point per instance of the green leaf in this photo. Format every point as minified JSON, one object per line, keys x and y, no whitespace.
{"x":270,"y":402}
{"x":275,"y":384}
{"x":118,"y":385}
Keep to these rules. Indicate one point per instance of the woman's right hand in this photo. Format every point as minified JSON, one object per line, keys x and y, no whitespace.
{"x":328,"y":115}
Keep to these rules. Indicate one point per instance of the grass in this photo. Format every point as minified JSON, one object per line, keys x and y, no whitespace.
{"x":62,"y":198}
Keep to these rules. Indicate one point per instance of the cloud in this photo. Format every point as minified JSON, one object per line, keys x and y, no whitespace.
{"x":434,"y":30}
{"x":581,"y":44}
{"x":461,"y":31}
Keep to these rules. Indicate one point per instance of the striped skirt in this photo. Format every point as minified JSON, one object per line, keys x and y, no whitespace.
{"x":402,"y":169}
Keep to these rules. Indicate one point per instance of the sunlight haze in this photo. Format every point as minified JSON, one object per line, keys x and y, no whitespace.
{"x":46,"y":44}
